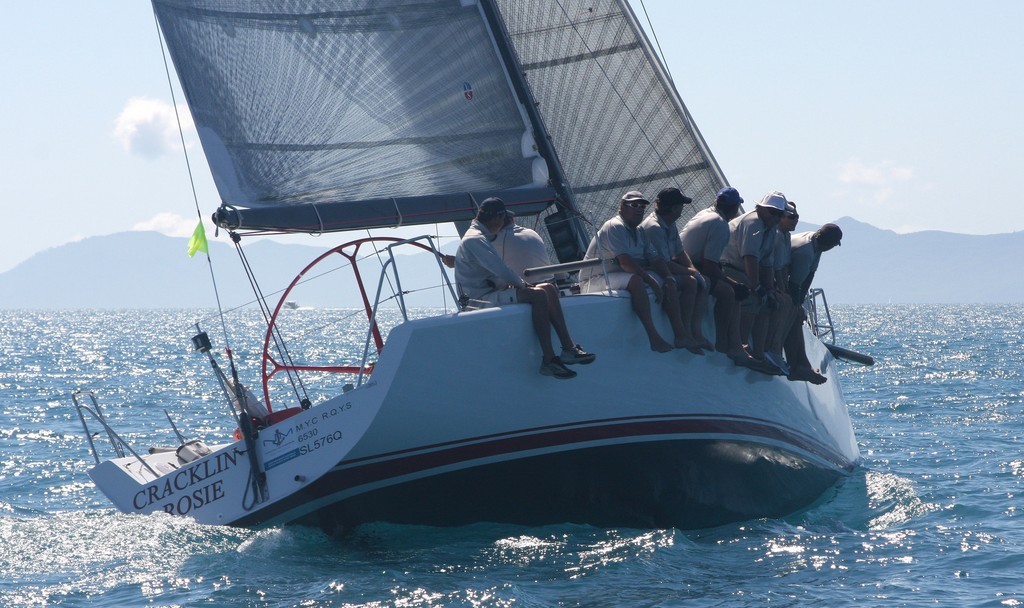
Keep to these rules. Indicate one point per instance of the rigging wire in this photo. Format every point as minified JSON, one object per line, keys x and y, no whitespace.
{"x":257,"y":477}
{"x":664,"y":60}
{"x":191,"y":179}
{"x":661,"y":159}
{"x":279,"y":342}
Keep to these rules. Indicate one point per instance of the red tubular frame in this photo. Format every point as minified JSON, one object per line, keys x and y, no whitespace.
{"x":270,"y":367}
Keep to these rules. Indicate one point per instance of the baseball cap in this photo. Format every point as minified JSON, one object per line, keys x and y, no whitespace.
{"x":729,"y":197}
{"x":635,"y":196}
{"x":491,"y":207}
{"x":670,"y":197}
{"x":830,"y":235}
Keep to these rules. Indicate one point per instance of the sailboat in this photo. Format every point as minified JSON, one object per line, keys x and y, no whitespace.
{"x":324,"y":116}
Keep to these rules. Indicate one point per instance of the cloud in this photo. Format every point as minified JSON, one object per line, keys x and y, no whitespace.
{"x":170,"y":224}
{"x":149,"y":128}
{"x":878,"y":174}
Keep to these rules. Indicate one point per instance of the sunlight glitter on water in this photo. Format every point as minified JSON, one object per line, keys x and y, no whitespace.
{"x":931,"y":517}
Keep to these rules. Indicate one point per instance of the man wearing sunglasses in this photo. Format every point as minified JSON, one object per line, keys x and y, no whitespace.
{"x":631,"y":263}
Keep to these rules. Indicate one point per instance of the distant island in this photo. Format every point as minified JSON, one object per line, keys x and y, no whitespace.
{"x":151,"y":270}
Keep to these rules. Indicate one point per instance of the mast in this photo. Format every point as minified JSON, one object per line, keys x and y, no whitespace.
{"x":570,"y":239}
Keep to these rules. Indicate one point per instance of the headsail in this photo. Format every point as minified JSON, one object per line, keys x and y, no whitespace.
{"x":613,"y":115}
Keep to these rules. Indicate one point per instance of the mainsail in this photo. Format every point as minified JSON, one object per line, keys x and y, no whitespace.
{"x":320,"y":115}
{"x":319,"y":102}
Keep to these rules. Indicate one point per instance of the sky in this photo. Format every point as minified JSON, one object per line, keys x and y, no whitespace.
{"x":905,"y":115}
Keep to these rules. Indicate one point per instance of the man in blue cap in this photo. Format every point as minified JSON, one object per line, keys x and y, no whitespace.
{"x":704,"y":239}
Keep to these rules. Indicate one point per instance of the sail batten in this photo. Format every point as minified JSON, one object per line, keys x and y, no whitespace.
{"x":581,"y":57}
{"x":356,"y":145}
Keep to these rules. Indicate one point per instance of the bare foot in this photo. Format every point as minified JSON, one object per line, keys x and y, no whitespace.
{"x":806,"y":374}
{"x":742,"y":359}
{"x":689,"y":345}
{"x":660,"y":345}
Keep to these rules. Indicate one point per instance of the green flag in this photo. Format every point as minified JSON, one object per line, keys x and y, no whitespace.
{"x":198,"y":241}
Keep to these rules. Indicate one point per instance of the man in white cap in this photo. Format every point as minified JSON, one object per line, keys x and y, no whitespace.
{"x":484,"y":278}
{"x":747,"y":259}
{"x":783,"y":315}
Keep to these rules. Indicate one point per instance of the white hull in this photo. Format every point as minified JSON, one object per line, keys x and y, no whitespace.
{"x":457,"y":425}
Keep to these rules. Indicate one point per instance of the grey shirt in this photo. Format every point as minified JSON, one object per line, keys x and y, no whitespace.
{"x":522,"y":248}
{"x":663,"y":237}
{"x":803,"y":263}
{"x":748,"y":235}
{"x":705,"y":236}
{"x":781,"y":257}
{"x":615,"y":238}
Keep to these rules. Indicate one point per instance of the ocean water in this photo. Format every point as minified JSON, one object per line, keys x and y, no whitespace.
{"x":932,"y":516}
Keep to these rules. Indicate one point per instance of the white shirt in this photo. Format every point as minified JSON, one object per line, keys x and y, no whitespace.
{"x":479,"y":269}
{"x":522,"y":248}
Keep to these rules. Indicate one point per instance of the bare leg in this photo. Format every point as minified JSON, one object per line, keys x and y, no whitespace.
{"x":541,"y":321}
{"x":727,"y":322}
{"x":759,"y":332}
{"x":700,"y":310}
{"x":746,"y":323}
{"x":781,"y":320}
{"x":556,"y":315}
{"x":670,"y":304}
{"x":693,"y":302}
{"x":642,"y":308}
{"x":796,"y":355}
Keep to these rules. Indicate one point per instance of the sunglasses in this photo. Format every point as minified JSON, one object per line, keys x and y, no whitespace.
{"x":635,"y":205}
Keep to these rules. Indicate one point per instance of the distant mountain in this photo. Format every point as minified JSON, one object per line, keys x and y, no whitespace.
{"x":880,"y":266}
{"x":150,"y":270}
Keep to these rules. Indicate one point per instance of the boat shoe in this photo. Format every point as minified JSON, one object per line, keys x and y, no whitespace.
{"x":556,"y":368}
{"x":575,"y":354}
